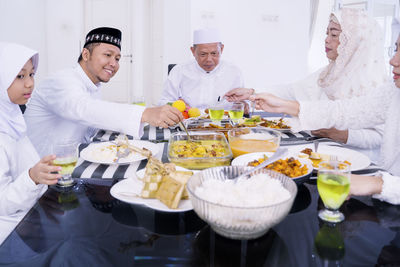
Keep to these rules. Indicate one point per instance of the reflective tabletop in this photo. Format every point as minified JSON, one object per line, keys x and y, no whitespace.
{"x":86,"y":226}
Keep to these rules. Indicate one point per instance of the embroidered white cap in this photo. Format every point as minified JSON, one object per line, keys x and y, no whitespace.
{"x":206,"y":36}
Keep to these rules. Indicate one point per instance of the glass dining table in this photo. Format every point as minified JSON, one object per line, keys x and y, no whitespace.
{"x":86,"y":226}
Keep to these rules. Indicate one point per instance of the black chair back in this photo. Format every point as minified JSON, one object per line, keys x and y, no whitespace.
{"x":22,"y":107}
{"x":170,"y":67}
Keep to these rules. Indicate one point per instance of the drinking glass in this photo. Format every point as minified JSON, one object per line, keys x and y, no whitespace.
{"x":333,"y":185}
{"x":66,"y":157}
{"x":216,"y":113}
{"x":236,"y":111}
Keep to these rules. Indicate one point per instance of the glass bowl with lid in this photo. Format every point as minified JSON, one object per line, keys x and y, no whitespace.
{"x":204,"y":150}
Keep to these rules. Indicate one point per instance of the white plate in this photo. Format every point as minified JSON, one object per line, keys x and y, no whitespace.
{"x":93,"y":152}
{"x":358,"y":160}
{"x":128,"y":190}
{"x":244,"y":159}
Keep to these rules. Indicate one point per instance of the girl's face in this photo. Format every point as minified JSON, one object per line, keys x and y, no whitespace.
{"x":395,"y":62}
{"x":21,"y":89}
{"x":332,"y":40}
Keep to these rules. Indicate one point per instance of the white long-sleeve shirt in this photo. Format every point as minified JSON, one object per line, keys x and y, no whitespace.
{"x":18,"y":192}
{"x":67,"y":106}
{"x":365,"y":140}
{"x":381,"y":106}
{"x":199,"y":88}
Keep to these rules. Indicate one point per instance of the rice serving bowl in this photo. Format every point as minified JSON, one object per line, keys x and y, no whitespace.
{"x":245,"y":210}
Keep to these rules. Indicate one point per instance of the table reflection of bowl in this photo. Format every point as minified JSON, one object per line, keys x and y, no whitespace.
{"x":248,"y":140}
{"x":240,"y":222}
{"x":205,"y":150}
{"x":210,"y":249}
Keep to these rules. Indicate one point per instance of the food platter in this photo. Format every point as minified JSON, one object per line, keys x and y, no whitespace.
{"x":198,"y":124}
{"x":243,"y":160}
{"x":128,"y":190}
{"x":105,"y":152}
{"x":285,"y":121}
{"x":358,"y":160}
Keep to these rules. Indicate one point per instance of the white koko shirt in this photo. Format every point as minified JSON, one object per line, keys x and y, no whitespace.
{"x":199,"y":88}
{"x":18,"y":192}
{"x":67,"y":106}
{"x":381,"y":106}
{"x":365,"y":140}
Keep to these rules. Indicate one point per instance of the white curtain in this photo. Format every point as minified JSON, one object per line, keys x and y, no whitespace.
{"x":313,"y":17}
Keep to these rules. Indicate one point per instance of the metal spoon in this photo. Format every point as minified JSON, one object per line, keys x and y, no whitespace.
{"x":184,"y":128}
{"x":279,"y":153}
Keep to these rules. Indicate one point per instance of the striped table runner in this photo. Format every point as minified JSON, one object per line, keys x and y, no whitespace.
{"x":85,"y":169}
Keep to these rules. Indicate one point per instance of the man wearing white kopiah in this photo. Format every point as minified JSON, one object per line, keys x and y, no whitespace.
{"x":201,"y":81}
{"x":67,"y":106}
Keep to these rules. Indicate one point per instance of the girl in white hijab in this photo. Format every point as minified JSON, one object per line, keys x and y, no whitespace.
{"x":23,"y":176}
{"x":354,"y":48}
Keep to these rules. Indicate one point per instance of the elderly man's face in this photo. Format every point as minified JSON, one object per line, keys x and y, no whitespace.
{"x":207,"y":55}
{"x":395,"y":62}
{"x":102,"y":63}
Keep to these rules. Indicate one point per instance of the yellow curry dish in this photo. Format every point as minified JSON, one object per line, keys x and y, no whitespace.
{"x":204,"y":150}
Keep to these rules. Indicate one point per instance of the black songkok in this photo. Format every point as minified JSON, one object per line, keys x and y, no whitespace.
{"x":104,"y":35}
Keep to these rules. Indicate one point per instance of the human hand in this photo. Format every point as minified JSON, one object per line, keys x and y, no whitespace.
{"x":44,"y":172}
{"x":365,"y":185}
{"x":332,"y":133}
{"x":271,"y":103}
{"x":162,"y":116}
{"x":238,"y":94}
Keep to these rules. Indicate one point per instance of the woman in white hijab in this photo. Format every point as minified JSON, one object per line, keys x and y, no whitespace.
{"x":23,"y":177}
{"x":354,"y":47}
{"x":382,"y":106}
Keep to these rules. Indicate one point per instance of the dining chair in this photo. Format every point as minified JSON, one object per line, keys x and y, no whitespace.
{"x":170,"y":67}
{"x":22,"y":107}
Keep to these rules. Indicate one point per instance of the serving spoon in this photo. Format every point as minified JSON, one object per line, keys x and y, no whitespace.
{"x":279,"y":153}
{"x":187,"y":132}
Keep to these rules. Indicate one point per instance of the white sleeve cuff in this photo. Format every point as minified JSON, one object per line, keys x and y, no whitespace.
{"x":390,"y":189}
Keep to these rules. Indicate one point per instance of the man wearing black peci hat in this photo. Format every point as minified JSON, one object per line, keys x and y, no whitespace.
{"x":67,"y":105}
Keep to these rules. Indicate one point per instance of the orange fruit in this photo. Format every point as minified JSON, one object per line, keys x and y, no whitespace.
{"x":185,"y":114}
{"x":194,"y":112}
{"x":180,"y":105}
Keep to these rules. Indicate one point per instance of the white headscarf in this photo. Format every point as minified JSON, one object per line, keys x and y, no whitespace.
{"x":12,"y":58}
{"x":360,"y":66}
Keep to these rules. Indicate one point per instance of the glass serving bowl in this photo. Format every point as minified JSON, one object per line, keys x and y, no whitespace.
{"x":247,"y":140}
{"x":190,"y":154}
{"x":239,"y":222}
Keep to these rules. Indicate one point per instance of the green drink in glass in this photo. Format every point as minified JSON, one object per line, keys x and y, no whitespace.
{"x":236,"y":111}
{"x":216,"y":113}
{"x":333,"y":186}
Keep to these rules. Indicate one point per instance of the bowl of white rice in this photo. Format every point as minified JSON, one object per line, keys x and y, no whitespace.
{"x":245,"y":209}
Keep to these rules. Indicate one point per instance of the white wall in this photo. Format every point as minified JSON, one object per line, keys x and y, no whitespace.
{"x":268,"y":39}
{"x":316,"y":55}
{"x":24,"y":22}
{"x":65,"y":34}
{"x":53,"y":28}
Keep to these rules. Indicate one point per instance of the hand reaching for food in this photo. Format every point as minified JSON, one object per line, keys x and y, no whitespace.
{"x":332,"y":133}
{"x":162,"y":116}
